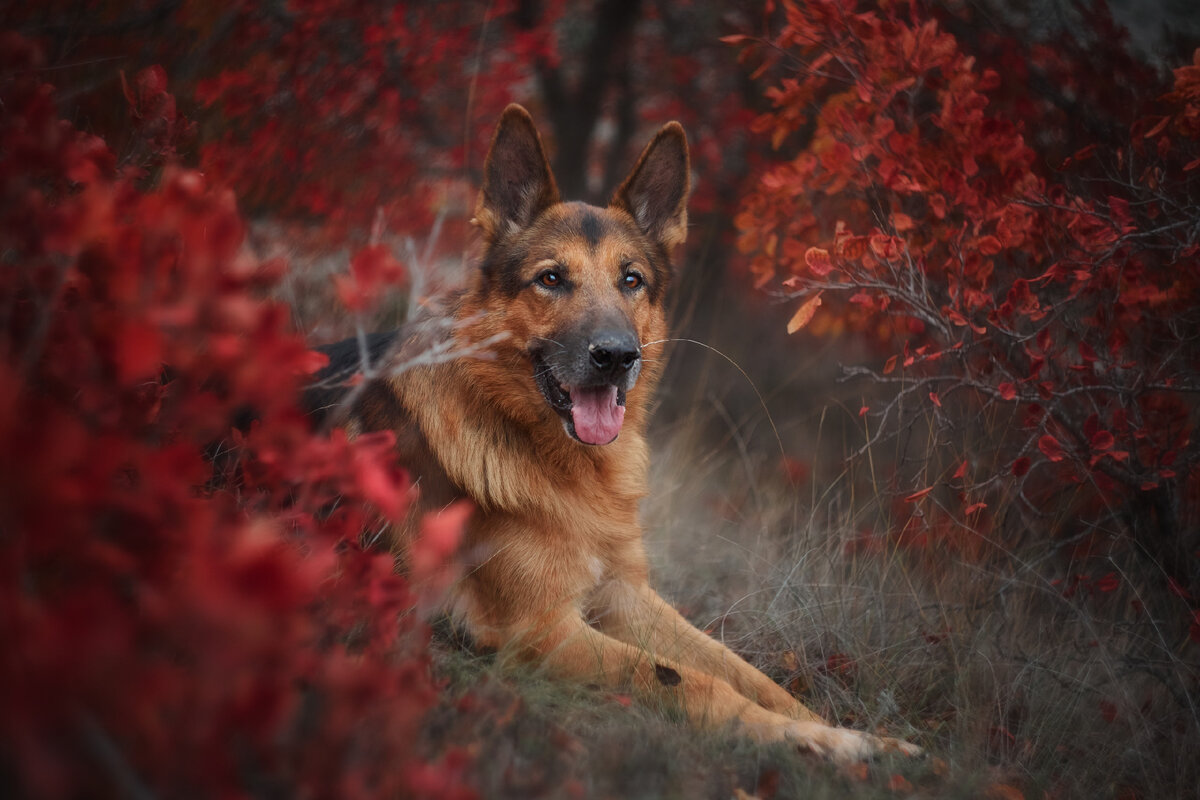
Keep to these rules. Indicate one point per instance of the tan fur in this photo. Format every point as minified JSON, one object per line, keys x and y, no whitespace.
{"x":555,"y":570}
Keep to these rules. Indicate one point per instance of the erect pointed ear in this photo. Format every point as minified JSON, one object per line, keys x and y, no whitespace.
{"x":655,"y":193}
{"x":517,"y":182}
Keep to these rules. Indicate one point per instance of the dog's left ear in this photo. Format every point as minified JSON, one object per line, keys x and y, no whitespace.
{"x":655,"y":193}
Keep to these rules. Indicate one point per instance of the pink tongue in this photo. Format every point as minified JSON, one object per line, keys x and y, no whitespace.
{"x":596,"y":415}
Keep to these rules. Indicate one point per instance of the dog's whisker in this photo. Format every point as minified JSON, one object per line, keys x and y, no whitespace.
{"x":554,"y":342}
{"x":761,"y":400}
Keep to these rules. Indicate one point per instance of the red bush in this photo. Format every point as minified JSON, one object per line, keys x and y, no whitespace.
{"x":914,"y":195}
{"x":173,"y":625}
{"x":349,"y":110}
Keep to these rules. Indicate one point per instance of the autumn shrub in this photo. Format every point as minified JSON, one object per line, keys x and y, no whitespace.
{"x":1036,"y":318}
{"x":187,"y":609}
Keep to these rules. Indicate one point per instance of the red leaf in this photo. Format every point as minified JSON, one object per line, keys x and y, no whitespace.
{"x":378,"y":476}
{"x":1102,"y":440}
{"x":885,"y":248}
{"x":915,"y":496}
{"x":139,"y":350}
{"x":862,"y":412}
{"x":889,"y":365}
{"x":937,"y":401}
{"x":1051,"y":448}
{"x":440,"y":535}
{"x":804,"y":313}
{"x":1021,"y":466}
{"x":1177,"y":589}
{"x":1084,"y":154}
{"x":852,"y":248}
{"x":818,"y":261}
{"x":1007,"y":390}
{"x":988,"y":245}
{"x":961,"y":471}
{"x":350,"y":294}
{"x":971,"y":509}
{"x":152,"y":80}
{"x":311,"y":361}
{"x":1108,"y":583}
{"x":373,"y":265}
{"x":1158,"y":128}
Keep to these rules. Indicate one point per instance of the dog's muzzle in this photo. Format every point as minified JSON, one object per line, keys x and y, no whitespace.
{"x":585,"y":380}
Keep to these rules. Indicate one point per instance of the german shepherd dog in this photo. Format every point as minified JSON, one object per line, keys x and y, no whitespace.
{"x":545,"y":434}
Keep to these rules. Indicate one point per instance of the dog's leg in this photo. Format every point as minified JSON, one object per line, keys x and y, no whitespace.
{"x":637,"y":615}
{"x":569,"y":648}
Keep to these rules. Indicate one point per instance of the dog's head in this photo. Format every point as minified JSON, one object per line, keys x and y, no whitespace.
{"x":578,"y":289}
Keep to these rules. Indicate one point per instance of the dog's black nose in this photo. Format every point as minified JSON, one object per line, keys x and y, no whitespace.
{"x":613,"y":355}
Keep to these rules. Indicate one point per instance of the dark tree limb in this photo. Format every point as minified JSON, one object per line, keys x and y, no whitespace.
{"x":575,"y":110}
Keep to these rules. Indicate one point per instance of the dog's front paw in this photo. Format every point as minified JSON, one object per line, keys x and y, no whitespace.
{"x":846,"y":746}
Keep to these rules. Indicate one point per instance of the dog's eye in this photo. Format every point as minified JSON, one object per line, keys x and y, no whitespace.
{"x":631,"y":281}
{"x":550,"y":279}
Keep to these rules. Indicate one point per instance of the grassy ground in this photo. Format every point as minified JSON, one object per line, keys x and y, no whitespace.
{"x":536,"y":738}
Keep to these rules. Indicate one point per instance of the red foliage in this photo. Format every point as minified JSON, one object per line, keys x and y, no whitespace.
{"x":174,"y":625}
{"x":337,"y":115}
{"x":911,"y":183}
{"x":159,"y":130}
{"x":346,"y":109}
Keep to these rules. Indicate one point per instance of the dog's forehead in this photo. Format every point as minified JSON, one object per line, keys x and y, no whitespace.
{"x":590,"y":232}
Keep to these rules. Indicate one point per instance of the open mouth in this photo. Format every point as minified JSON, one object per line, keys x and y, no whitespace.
{"x":591,"y":414}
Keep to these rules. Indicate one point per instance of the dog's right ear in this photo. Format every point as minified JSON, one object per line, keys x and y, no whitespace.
{"x":517,"y":181}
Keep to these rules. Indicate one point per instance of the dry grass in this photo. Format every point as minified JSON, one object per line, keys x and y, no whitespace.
{"x":989,"y":666}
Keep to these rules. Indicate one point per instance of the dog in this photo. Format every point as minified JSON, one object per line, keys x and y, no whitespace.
{"x":541,"y":425}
